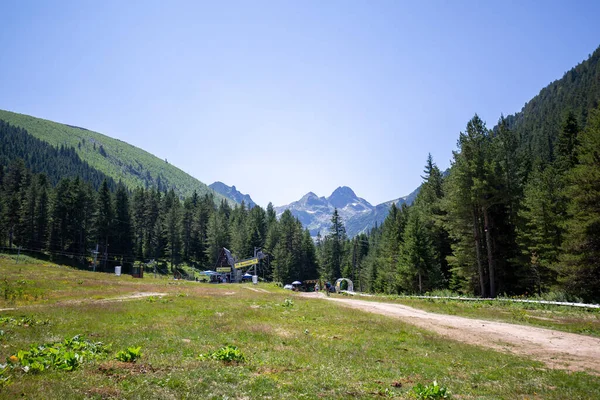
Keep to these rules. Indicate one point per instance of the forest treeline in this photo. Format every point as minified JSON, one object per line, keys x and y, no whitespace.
{"x":497,"y":223}
{"x":73,"y":219}
{"x":518,"y":212}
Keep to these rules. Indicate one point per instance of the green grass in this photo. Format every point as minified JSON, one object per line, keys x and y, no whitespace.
{"x":289,"y":346}
{"x":124,"y":162}
{"x":563,"y":318}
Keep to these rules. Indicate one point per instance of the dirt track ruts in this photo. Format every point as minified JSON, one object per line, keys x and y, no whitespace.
{"x":556,"y":349}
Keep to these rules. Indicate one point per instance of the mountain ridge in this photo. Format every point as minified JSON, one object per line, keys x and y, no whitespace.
{"x":358,"y":214}
{"x":115,"y":158}
{"x":232,"y":193}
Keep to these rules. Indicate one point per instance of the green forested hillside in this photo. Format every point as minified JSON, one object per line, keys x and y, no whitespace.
{"x":41,"y":157}
{"x":117,"y":159}
{"x":540,"y":121}
{"x":518,"y":213}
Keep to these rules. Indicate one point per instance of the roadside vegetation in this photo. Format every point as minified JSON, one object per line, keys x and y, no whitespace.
{"x":194,"y":340}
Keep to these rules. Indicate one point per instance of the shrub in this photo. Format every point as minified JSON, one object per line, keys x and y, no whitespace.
{"x":129,"y":355}
{"x":67,"y":355}
{"x":288,"y":303}
{"x":227,"y":354}
{"x":431,"y":392}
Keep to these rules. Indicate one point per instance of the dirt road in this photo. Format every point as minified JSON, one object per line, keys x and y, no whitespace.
{"x":554,"y":348}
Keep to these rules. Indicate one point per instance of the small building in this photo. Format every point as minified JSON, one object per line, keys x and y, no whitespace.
{"x":225,"y":265}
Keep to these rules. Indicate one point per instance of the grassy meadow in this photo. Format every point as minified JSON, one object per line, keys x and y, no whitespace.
{"x":291,"y":347}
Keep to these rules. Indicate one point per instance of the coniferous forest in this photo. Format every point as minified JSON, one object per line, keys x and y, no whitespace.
{"x":517,"y":213}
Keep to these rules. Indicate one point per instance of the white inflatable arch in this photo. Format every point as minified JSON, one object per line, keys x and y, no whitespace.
{"x":338,"y":284}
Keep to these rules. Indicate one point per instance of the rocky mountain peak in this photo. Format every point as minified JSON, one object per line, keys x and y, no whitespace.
{"x":342,"y":196}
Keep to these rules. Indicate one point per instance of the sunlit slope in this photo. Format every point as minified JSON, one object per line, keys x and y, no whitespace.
{"x":117,"y":159}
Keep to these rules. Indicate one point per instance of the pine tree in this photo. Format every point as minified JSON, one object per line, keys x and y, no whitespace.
{"x":12,"y":198}
{"x":256,"y":227}
{"x":465,"y":220}
{"x":288,"y":250}
{"x":28,"y":213}
{"x":138,"y":220}
{"x":172,"y":227}
{"x":240,"y":245}
{"x":543,"y":213}
{"x":389,"y":251}
{"x":105,"y":218}
{"x":580,"y":264}
{"x":337,"y":236}
{"x":123,"y":244}
{"x":189,"y":235}
{"x":81,"y":220}
{"x":566,"y":148}
{"x":429,"y":202}
{"x":42,"y":213}
{"x":218,"y":232}
{"x":153,"y":245}
{"x":60,"y":215}
{"x":309,"y":258}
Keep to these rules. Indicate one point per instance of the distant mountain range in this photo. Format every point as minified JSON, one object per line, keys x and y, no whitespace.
{"x":358,"y":214}
{"x":232,"y":193}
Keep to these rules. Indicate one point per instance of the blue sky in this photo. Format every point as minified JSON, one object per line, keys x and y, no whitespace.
{"x":285,"y":97}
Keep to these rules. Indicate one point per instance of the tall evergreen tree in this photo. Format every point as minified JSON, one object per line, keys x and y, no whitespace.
{"x":389,"y":251}
{"x":336,"y":239}
{"x":418,"y":270}
{"x":42,"y":213}
{"x":580,"y":263}
{"x":172,"y":227}
{"x":123,"y":244}
{"x":541,"y":233}
{"x":13,"y":194}
{"x":288,"y":250}
{"x":105,"y":221}
{"x":466,"y":188}
{"x":217,"y":232}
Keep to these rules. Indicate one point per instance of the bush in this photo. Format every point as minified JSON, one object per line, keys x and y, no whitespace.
{"x":129,"y":355}
{"x":67,"y":355}
{"x":227,"y":354}
{"x":288,"y":303}
{"x":431,"y":392}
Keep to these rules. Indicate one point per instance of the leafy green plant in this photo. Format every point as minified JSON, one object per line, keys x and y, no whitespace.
{"x":288,"y":303}
{"x":431,"y":392}
{"x":23,"y":321}
{"x":67,"y":355}
{"x":227,"y":354}
{"x":129,"y":355}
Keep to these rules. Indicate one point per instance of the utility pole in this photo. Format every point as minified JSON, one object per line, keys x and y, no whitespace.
{"x":105,"y":256}
{"x":95,"y":254}
{"x":255,"y":265}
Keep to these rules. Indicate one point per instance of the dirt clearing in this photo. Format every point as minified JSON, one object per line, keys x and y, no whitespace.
{"x":554,"y":348}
